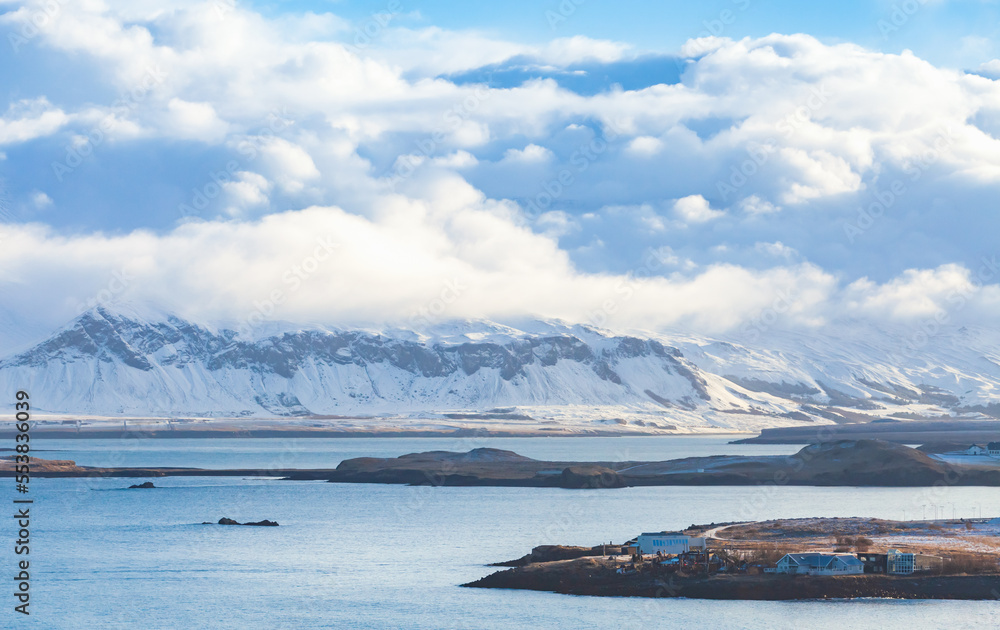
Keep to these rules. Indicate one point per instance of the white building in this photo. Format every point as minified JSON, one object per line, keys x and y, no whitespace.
{"x":671,"y":544}
{"x":820,"y":564}
{"x":975,"y":449}
{"x":993,"y":449}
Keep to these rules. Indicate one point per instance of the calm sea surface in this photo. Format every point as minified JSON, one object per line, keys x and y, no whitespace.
{"x":370,"y":556}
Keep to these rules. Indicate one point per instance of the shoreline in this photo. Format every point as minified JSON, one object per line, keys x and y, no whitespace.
{"x":299,"y":431}
{"x":332,"y":434}
{"x":933,"y":432}
{"x":959,"y":431}
{"x":959,"y":560}
{"x":589,"y":577}
{"x":68,"y":469}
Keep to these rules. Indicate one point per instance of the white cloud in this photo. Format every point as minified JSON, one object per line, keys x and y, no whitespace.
{"x":194,"y":121}
{"x":839,"y":122}
{"x":702,"y":46}
{"x":569,"y":50}
{"x":382,"y":270}
{"x":990,"y":68}
{"x":645,"y":146}
{"x":29,"y":119}
{"x":246,"y":190}
{"x":434,"y":50}
{"x":458,"y":160}
{"x":531,"y":154}
{"x":696,"y":209}
{"x":40,"y":200}
{"x":290,"y":164}
{"x":226,"y":75}
{"x":820,"y":174}
{"x":918,"y":293}
{"x":557,"y":224}
{"x":776,"y":249}
{"x":754,"y":205}
{"x":667,"y":256}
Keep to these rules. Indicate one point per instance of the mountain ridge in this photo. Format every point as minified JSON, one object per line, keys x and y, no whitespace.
{"x":123,"y":362}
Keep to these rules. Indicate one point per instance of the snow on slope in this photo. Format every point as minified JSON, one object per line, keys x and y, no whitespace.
{"x":857,"y":364}
{"x":146,"y":363}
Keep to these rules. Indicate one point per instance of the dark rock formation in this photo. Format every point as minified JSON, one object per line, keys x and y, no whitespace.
{"x":578,"y":477}
{"x":229,"y":521}
{"x":148,"y":484}
{"x":553,"y":553}
{"x":840,"y":463}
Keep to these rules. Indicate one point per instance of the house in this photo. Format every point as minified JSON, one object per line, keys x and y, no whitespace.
{"x":668,"y":543}
{"x":993,"y":449}
{"x":820,"y":564}
{"x":976,"y":449}
{"x":874,"y":562}
{"x":900,"y":563}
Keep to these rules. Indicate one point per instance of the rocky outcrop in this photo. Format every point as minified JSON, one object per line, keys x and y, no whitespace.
{"x":479,"y":467}
{"x":553,"y":553}
{"x":229,"y":521}
{"x":146,"y":485}
{"x":579,"y":477}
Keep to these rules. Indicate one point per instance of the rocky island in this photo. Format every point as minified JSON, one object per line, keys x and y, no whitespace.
{"x":841,"y":463}
{"x":229,"y":521}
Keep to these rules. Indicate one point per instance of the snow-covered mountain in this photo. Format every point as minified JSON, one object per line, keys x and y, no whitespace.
{"x":114,"y":363}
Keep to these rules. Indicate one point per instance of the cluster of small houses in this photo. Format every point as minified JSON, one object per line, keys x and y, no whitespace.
{"x":990,"y":450}
{"x":681,"y":550}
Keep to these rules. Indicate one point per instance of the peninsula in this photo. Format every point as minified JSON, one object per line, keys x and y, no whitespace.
{"x":842,"y":463}
{"x":777,"y":560}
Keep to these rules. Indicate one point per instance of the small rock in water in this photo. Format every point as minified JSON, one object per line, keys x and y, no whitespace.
{"x":229,"y":521}
{"x":148,"y":484}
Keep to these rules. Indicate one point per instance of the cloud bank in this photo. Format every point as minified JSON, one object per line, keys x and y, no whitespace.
{"x":228,"y":165}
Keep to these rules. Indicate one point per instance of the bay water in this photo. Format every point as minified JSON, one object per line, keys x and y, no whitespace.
{"x":380,"y":556}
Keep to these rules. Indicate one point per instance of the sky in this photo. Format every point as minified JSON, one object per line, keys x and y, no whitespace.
{"x":717,"y":167}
